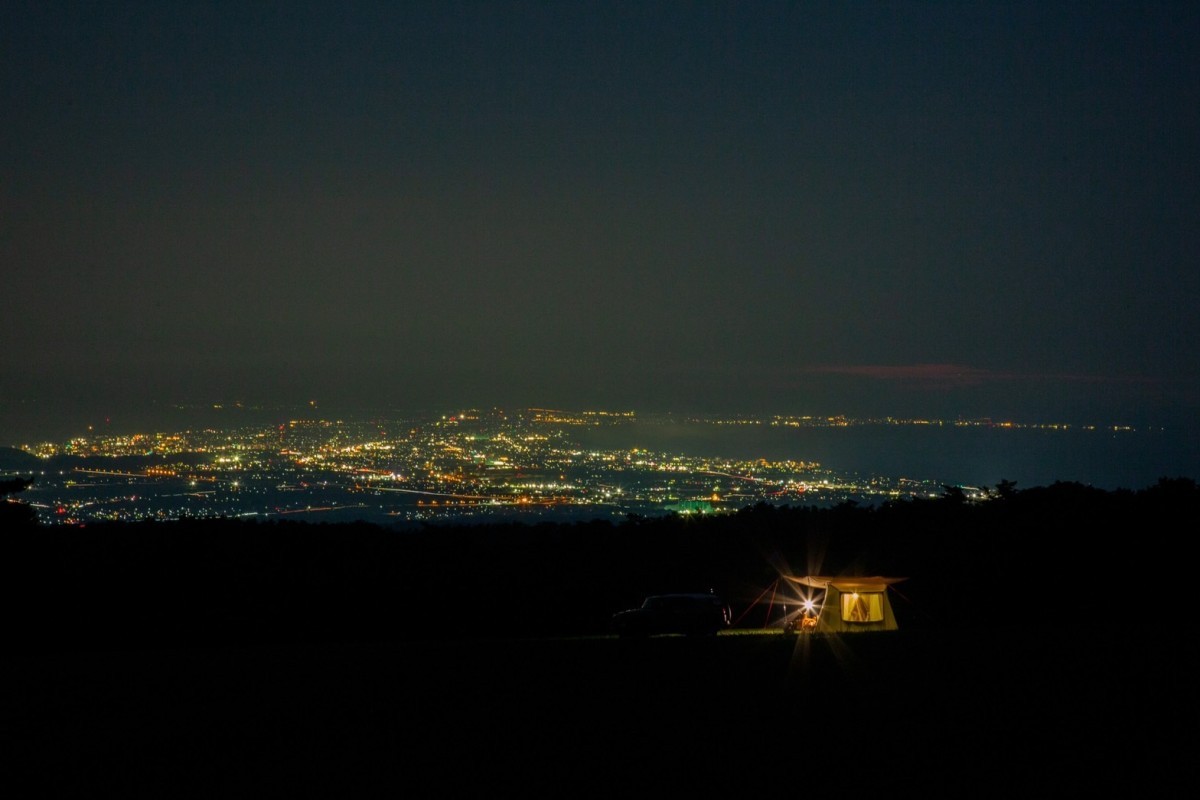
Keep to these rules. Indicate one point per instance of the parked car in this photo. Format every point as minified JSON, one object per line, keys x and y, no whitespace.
{"x":688,"y":614}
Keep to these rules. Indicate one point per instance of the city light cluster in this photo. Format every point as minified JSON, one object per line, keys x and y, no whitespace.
{"x":471,"y":463}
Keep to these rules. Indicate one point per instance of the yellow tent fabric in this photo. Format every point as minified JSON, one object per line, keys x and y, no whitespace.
{"x":871,"y":612}
{"x":874,"y":583}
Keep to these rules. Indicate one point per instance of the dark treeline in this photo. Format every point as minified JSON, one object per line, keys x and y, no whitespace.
{"x":231,"y":582}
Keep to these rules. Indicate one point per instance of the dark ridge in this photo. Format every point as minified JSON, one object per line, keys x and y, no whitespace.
{"x":231,"y":581}
{"x":1040,"y":643}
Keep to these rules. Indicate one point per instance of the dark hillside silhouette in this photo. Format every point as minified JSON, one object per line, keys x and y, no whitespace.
{"x":13,"y":459}
{"x":1039,"y":644}
{"x":15,"y":516}
{"x":214,"y":581}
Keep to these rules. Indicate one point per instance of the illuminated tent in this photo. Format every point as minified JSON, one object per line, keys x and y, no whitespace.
{"x":844,"y":605}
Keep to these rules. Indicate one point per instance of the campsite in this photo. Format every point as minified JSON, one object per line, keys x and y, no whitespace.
{"x":232,"y":660}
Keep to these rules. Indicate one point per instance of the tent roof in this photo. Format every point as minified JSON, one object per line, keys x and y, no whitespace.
{"x":874,"y":583}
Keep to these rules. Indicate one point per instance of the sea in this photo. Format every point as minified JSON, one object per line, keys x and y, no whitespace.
{"x":962,"y":455}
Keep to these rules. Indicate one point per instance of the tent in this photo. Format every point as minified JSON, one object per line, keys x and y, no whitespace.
{"x":842,"y":605}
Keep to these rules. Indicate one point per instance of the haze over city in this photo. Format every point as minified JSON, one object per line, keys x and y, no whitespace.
{"x":952,"y":210}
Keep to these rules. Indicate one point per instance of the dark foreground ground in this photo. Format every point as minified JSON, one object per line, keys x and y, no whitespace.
{"x":972,"y":714}
{"x":1044,"y":648}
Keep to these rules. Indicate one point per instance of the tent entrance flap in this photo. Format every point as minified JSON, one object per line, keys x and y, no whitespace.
{"x":851,"y":604}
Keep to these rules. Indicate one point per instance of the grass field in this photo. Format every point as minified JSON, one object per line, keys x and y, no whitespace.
{"x":969,"y":714}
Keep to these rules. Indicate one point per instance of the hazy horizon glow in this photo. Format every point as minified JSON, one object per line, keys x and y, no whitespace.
{"x":953,"y":210}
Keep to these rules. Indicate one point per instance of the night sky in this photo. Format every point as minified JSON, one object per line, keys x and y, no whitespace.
{"x":977,"y":209}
